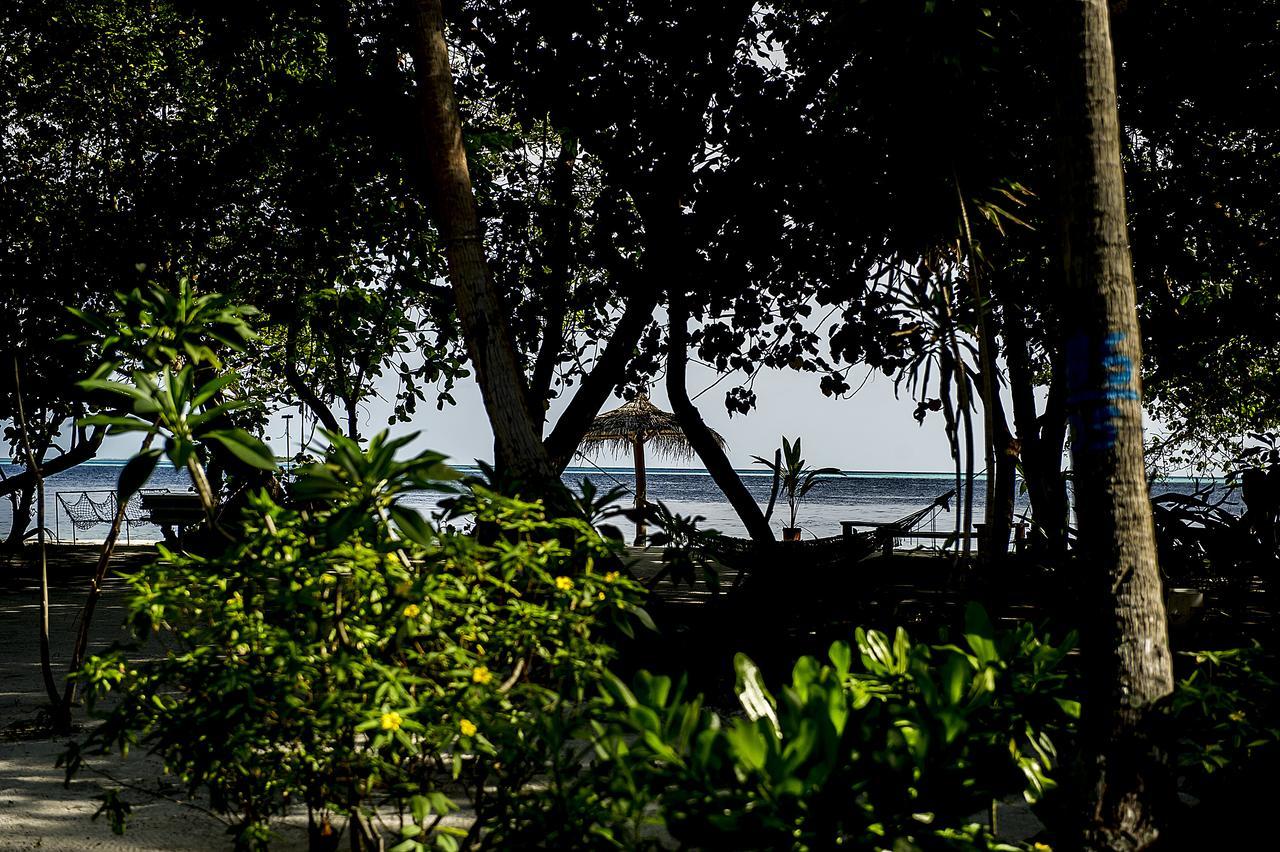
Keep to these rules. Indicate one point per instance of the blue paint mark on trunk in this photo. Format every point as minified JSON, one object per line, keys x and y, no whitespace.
{"x":1093,"y":412}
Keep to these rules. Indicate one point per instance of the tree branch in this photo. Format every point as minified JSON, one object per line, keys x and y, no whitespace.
{"x":600,"y":382}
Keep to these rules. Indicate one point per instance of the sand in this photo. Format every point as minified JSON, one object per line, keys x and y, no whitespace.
{"x":36,"y":810}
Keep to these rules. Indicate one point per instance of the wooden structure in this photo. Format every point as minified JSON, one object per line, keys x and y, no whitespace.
{"x":890,"y":532}
{"x":170,"y":511}
{"x":633,"y":426}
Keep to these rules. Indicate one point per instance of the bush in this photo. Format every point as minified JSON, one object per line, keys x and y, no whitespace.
{"x":1223,"y":713}
{"x":890,"y":744}
{"x":349,"y":654}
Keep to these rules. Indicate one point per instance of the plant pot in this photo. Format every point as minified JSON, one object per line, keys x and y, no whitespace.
{"x":1182,"y":605}
{"x":790,"y":533}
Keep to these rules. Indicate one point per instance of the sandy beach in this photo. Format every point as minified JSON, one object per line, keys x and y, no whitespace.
{"x":36,"y":810}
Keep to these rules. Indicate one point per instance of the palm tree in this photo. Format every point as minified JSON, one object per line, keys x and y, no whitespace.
{"x":634,"y":426}
{"x":1133,"y":668}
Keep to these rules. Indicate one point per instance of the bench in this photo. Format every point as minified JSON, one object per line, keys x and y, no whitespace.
{"x":168,"y":511}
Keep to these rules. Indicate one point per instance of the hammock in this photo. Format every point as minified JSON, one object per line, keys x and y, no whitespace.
{"x":86,"y":512}
{"x":747,"y":554}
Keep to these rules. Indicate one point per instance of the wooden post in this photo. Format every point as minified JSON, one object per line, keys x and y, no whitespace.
{"x":641,"y":531}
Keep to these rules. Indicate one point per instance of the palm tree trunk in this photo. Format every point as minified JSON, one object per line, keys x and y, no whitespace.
{"x":641,"y":531}
{"x":1128,"y":646}
{"x":1002,"y":464}
{"x":946,"y":376}
{"x":995,"y":434}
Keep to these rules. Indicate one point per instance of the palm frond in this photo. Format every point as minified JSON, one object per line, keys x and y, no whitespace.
{"x":639,"y":420}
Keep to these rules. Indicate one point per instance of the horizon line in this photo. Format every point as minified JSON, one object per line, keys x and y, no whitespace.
{"x":949,"y":474}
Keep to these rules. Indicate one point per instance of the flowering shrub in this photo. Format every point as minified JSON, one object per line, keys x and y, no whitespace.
{"x":343,"y":653}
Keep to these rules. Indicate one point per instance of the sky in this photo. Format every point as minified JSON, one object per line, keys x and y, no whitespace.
{"x":872,"y":431}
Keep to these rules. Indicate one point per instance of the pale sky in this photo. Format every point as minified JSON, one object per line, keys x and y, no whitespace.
{"x":872,"y":431}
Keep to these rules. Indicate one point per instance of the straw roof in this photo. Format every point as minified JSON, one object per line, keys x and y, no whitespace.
{"x":639,"y":419}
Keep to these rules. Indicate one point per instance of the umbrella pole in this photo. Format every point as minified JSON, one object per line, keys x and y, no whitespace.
{"x":641,"y":532}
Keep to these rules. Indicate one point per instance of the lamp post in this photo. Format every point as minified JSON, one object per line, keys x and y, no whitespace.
{"x":288,"y":441}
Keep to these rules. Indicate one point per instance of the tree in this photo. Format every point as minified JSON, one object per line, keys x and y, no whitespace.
{"x":1200,"y":115}
{"x":480,"y":301}
{"x":1130,"y":659}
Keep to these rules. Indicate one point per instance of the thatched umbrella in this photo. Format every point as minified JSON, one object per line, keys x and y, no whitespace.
{"x":636,"y":425}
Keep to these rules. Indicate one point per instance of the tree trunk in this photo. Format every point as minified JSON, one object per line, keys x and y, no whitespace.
{"x":966,"y":417}
{"x":84,"y":450}
{"x":559,"y":230}
{"x":641,"y":531}
{"x":517,"y":448}
{"x":596,"y":386}
{"x":33,"y":464}
{"x":1002,"y":468}
{"x":998,"y":512}
{"x":700,"y":437}
{"x":352,"y":406}
{"x":296,"y":383}
{"x":1128,"y":647}
{"x":22,"y":514}
{"x":1004,"y":485}
{"x":946,"y":374}
{"x":81,"y":647}
{"x":1040,"y":439}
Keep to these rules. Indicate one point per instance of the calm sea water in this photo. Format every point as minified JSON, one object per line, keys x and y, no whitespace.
{"x":860,"y":496}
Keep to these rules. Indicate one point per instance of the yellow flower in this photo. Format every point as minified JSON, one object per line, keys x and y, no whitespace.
{"x":412,"y":611}
{"x":1042,"y":847}
{"x":564,"y":584}
{"x":611,"y":576}
{"x":600,"y":595}
{"x":467,"y":727}
{"x":1237,"y":716}
{"x":390,"y":721}
{"x":481,"y":674}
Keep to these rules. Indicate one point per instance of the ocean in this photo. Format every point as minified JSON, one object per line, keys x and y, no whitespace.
{"x":857,"y":496}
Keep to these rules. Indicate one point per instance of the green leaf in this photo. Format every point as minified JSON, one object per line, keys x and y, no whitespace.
{"x":748,"y":743}
{"x":135,"y":474}
{"x":1071,"y":708}
{"x":643,"y":616}
{"x":209,"y":389}
{"x":245,"y":447}
{"x":412,"y":525}
{"x":841,"y":657}
{"x":751,"y":691}
{"x":117,"y":424}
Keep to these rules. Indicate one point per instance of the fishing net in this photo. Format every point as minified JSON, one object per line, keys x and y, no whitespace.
{"x":87,"y":512}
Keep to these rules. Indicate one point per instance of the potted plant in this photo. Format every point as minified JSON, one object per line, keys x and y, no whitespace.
{"x":795,"y":479}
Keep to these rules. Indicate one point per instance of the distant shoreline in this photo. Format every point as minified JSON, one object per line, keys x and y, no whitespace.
{"x":698,"y":471}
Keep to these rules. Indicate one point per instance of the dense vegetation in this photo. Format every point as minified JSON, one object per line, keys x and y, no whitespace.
{"x":1040,"y":222}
